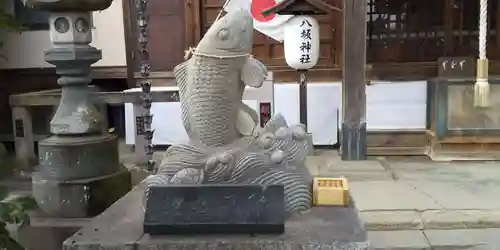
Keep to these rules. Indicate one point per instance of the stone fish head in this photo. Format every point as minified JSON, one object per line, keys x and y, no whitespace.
{"x":231,"y":35}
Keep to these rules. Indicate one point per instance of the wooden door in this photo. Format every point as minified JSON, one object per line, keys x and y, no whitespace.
{"x":167,"y":38}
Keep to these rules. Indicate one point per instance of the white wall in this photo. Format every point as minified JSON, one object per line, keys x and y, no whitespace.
{"x":390,"y":106}
{"x":26,"y":50}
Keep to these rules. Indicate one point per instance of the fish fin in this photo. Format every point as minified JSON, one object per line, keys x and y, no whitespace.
{"x":276,"y":122}
{"x":253,"y":114}
{"x":180,"y":73}
{"x":246,"y":120}
{"x":254,"y":73}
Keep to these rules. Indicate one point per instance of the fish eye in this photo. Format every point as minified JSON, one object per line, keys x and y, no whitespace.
{"x":243,"y":29}
{"x":223,"y":34}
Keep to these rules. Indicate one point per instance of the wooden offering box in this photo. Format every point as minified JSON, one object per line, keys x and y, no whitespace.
{"x":330,"y":191}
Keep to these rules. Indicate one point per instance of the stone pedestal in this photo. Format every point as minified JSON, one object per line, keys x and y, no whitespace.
{"x":319,"y":228}
{"x":44,"y":233}
{"x":82,"y":197}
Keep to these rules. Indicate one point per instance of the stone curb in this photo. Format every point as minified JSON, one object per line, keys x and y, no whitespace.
{"x":471,"y":239}
{"x":431,"y":219}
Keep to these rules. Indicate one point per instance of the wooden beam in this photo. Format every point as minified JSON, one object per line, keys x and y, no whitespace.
{"x":314,"y":6}
{"x":112,"y":98}
{"x":130,"y":40}
{"x":353,"y":140}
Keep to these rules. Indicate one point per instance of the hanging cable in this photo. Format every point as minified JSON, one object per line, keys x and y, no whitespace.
{"x":145,"y":68}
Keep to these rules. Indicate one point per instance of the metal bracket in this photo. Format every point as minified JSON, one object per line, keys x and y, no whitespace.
{"x":19,"y":128}
{"x":139,"y":125}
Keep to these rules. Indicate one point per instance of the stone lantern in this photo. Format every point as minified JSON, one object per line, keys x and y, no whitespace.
{"x":79,"y":172}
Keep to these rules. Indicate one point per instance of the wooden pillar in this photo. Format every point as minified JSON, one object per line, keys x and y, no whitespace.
{"x":303,"y":98}
{"x":353,"y":140}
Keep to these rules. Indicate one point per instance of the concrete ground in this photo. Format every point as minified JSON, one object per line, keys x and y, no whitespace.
{"x":410,"y":203}
{"x":413,"y":203}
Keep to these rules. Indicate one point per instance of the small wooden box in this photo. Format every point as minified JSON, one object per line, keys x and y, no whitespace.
{"x":330,"y":191}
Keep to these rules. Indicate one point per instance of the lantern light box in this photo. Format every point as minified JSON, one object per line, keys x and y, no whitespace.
{"x":301,"y":42}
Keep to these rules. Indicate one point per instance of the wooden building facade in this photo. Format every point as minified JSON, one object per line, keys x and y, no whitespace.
{"x":406,"y":40}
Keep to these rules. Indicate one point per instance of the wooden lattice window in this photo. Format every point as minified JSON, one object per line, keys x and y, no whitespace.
{"x":464,"y":22}
{"x":424,"y":30}
{"x":405,"y":30}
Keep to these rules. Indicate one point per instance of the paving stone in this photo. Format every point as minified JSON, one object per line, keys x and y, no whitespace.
{"x":313,"y":163}
{"x":461,"y":195}
{"x":391,"y":220}
{"x":476,"y":239}
{"x":481,"y":172}
{"x":328,"y":166}
{"x":336,"y":164}
{"x":398,"y":240}
{"x":390,"y":195}
{"x":327,"y":152}
{"x":461,"y":219}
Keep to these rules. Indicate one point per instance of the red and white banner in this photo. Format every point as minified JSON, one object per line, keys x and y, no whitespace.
{"x":271,"y":26}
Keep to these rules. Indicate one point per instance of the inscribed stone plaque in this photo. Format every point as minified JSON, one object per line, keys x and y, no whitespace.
{"x":210,"y":209}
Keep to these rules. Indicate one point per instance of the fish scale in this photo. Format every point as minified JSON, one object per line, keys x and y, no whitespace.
{"x":212,"y":105}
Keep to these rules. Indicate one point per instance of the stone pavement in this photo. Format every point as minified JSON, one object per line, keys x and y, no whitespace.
{"x":414,"y":203}
{"x":419,"y":204}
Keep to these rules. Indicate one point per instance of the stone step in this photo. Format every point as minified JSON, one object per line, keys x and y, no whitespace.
{"x":431,"y":219}
{"x":473,"y":239}
{"x":333,"y":166}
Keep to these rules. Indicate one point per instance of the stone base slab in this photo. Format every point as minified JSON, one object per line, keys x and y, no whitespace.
{"x":319,"y":228}
{"x":43,"y":233}
{"x":80,"y":198}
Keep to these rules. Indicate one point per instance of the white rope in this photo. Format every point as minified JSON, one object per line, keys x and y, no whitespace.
{"x":483,"y":28}
{"x":482,"y":88}
{"x":191,"y":52}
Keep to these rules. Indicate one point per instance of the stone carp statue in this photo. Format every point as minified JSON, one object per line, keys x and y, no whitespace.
{"x":227,"y":144}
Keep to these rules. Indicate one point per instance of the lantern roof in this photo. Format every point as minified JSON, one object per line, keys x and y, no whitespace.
{"x":301,"y":7}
